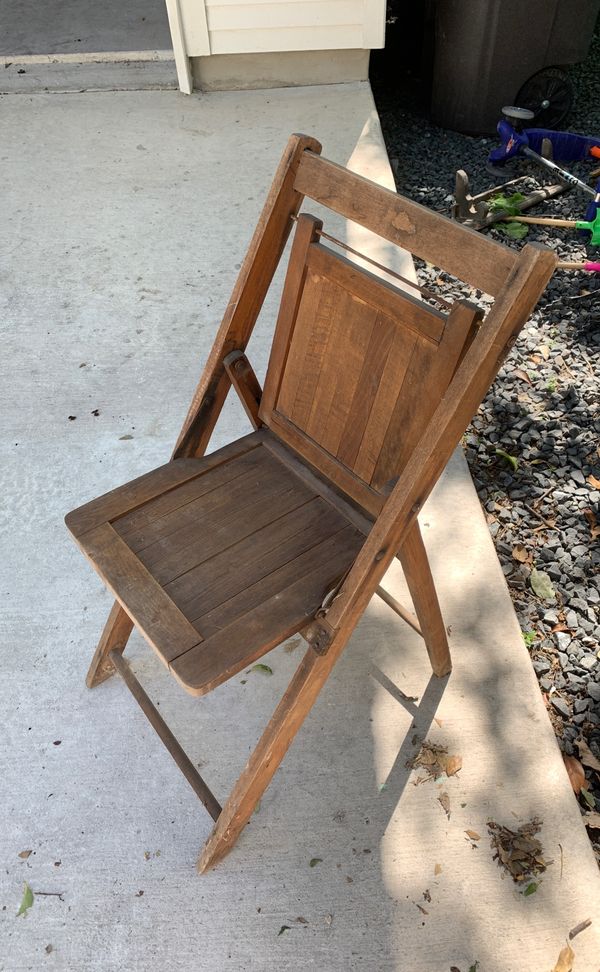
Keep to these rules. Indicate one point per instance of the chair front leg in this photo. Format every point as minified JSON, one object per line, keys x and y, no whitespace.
{"x":114,"y":638}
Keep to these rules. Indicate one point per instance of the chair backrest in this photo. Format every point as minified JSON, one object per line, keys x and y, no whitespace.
{"x":357,"y":367}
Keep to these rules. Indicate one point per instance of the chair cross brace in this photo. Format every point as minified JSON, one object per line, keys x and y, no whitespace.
{"x":167,"y":738}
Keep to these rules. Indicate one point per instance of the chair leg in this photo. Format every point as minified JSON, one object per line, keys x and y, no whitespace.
{"x":417,"y":571}
{"x":289,"y":715}
{"x":114,"y":638}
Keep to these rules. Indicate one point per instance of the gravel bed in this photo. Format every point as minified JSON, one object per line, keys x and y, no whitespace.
{"x":534,"y":447}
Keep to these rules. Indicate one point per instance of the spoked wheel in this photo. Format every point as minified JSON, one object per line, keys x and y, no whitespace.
{"x":549,"y":95}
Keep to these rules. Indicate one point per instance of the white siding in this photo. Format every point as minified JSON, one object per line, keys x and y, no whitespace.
{"x":252,"y":26}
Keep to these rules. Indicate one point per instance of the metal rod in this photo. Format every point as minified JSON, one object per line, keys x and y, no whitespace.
{"x":562,"y":173}
{"x":159,"y":725}
{"x":395,"y":605}
{"x":363,"y":256}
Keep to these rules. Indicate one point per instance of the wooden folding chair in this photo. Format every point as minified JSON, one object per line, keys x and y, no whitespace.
{"x":217,"y":560}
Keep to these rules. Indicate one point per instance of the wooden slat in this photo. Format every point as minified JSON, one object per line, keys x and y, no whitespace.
{"x":145,"y":517}
{"x":428,"y":375}
{"x":351,"y":328}
{"x":343,"y":478}
{"x":218,"y":530}
{"x":144,"y":600}
{"x":254,"y":279}
{"x":366,"y":391}
{"x":205,"y":501}
{"x":458,"y":250}
{"x":308,"y":349}
{"x":317,"y":483}
{"x":298,"y":589}
{"x":381,"y":294}
{"x":276,"y":583}
{"x":306,"y":232}
{"x":134,"y":494}
{"x":252,"y":558}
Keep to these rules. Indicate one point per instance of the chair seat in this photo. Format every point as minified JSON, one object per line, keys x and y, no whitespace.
{"x":218,"y":560}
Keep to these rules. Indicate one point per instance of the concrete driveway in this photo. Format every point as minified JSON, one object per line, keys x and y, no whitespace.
{"x":126,"y":217}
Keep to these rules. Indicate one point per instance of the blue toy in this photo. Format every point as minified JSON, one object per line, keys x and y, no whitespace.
{"x":529,"y":142}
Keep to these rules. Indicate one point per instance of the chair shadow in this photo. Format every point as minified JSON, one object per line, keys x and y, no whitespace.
{"x":422,"y":715}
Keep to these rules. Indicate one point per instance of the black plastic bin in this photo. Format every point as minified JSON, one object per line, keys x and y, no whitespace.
{"x":489,"y":53}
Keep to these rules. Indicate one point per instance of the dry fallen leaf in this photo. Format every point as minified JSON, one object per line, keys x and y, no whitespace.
{"x":544,"y":351}
{"x":520,"y":373}
{"x":24,"y":854}
{"x":473,"y":834}
{"x":520,"y":553}
{"x":576,"y":773}
{"x":594,"y":483}
{"x":438,"y":867}
{"x":585,"y":754}
{"x":565,"y":960}
{"x":452,"y":765}
{"x":444,"y":799}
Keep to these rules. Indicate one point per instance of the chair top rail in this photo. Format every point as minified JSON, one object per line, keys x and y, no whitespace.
{"x":460,"y":251}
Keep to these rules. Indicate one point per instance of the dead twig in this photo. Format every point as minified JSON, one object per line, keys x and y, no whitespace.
{"x":548,"y":523}
{"x":579,"y":928}
{"x":544,"y":494}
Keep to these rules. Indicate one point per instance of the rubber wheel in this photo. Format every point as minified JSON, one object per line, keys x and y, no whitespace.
{"x":552,"y":84}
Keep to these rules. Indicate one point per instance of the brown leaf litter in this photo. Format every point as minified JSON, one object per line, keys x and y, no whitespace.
{"x":435,"y":761}
{"x":518,"y":851}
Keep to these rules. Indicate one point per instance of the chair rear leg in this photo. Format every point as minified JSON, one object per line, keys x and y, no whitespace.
{"x":417,"y":571}
{"x":114,"y":638}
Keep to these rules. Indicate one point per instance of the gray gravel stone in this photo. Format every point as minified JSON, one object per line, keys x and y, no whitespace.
{"x":561,"y":706}
{"x":541,"y":666}
{"x":593,"y":691}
